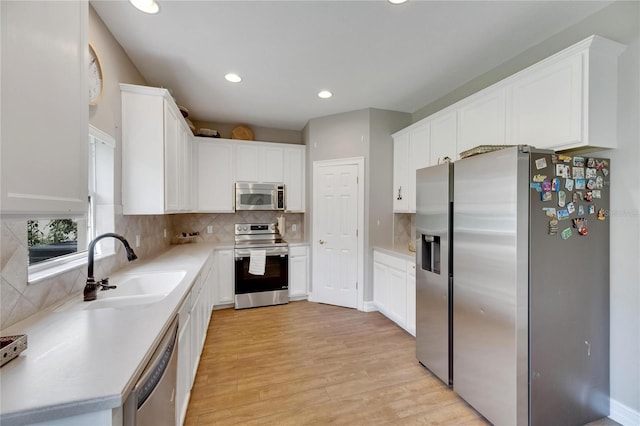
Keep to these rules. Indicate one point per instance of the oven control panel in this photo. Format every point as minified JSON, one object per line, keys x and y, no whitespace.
{"x":256,"y":228}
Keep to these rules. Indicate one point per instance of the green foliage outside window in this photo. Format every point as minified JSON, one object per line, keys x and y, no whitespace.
{"x":51,"y":232}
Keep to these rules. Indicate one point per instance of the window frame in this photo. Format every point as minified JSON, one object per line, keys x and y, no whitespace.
{"x":103,"y":191}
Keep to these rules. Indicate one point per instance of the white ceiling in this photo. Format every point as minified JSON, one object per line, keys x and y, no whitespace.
{"x":368,"y":53}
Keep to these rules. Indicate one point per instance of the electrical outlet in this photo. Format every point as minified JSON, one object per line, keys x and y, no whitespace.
{"x":294,"y":227}
{"x":210,"y":229}
{"x":137,"y":240}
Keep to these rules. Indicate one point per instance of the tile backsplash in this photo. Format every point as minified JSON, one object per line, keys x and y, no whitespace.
{"x":20,"y":300}
{"x":404,"y":230}
{"x":223,"y":224}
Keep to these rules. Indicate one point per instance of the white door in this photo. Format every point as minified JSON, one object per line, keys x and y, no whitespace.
{"x":336,"y":235}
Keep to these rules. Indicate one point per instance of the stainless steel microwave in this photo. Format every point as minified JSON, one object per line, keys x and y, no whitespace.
{"x":259,"y":196}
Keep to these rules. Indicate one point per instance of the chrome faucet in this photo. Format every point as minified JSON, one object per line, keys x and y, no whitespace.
{"x":91,"y":288}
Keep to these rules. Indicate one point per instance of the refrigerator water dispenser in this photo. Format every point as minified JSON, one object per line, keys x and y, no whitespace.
{"x":431,"y":253}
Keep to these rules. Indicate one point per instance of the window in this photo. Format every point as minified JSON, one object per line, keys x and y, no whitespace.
{"x":58,"y":244}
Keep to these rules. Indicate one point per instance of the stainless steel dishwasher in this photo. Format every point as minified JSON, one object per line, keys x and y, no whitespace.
{"x":152,"y":400}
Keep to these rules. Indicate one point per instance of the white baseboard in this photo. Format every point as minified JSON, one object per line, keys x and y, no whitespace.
{"x":369,"y":306}
{"x":298,"y":298}
{"x":624,"y":415}
{"x":224,"y":306}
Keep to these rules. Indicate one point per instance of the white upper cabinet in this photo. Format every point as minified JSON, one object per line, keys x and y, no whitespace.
{"x":260,"y":162}
{"x":45,"y":108}
{"x":222,"y":162}
{"x":419,"y":149}
{"x":215,"y":175}
{"x":482,"y":120}
{"x":546,"y":105}
{"x":172,"y":159}
{"x":294,"y":171}
{"x":156,"y":176}
{"x":401,"y":173}
{"x":248,"y":163}
{"x":568,"y":100}
{"x":272,"y":164}
{"x":189,"y":184}
{"x":410,"y":152}
{"x":444,"y":137}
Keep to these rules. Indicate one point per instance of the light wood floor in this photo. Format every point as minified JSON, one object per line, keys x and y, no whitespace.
{"x":308,"y":363}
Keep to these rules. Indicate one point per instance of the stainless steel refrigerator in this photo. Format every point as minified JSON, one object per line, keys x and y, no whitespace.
{"x":531,"y":286}
{"x":434,"y":314}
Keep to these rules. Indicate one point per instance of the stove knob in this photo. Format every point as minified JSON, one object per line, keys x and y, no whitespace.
{"x":273,"y":227}
{"x":244,"y":228}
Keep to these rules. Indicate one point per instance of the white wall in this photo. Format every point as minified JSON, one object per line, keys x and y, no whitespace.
{"x":363,"y":133}
{"x":625,"y":240}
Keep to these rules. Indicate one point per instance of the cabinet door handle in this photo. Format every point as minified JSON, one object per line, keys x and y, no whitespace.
{"x":322,"y":241}
{"x":399,"y":197}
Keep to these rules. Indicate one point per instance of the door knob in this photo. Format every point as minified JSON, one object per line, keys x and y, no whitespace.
{"x":322,"y":241}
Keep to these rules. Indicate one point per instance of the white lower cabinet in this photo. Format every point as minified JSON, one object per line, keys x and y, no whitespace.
{"x":223,"y":287}
{"x":183,"y":388}
{"x":193,"y":322}
{"x":298,"y":272}
{"x":394,"y":289}
{"x":411,"y":298}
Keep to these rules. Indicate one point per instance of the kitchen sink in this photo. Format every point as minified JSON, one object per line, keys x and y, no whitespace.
{"x":131,"y":290}
{"x":144,"y":283}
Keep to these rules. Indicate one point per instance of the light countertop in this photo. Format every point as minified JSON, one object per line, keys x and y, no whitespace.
{"x":88,"y":360}
{"x":401,"y":253}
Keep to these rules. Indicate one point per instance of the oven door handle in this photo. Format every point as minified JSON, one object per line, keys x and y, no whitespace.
{"x":271,"y":252}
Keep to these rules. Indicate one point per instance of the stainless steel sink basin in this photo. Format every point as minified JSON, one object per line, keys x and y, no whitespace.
{"x":132,"y":290}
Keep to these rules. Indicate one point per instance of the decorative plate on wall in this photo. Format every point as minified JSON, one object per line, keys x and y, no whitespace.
{"x":96,"y":83}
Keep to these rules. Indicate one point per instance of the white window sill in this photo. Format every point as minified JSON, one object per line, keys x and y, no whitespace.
{"x":40,"y":273}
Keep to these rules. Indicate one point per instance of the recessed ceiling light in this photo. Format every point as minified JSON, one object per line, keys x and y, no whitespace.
{"x":325,"y":94}
{"x":397,"y":1}
{"x":234,"y":78}
{"x":147,"y":6}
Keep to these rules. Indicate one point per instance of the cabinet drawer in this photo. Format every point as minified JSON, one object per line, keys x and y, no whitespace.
{"x":390,"y":261}
{"x":297,"y":251}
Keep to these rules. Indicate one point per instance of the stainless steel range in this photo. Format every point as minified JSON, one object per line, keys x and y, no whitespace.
{"x":262,"y":266}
